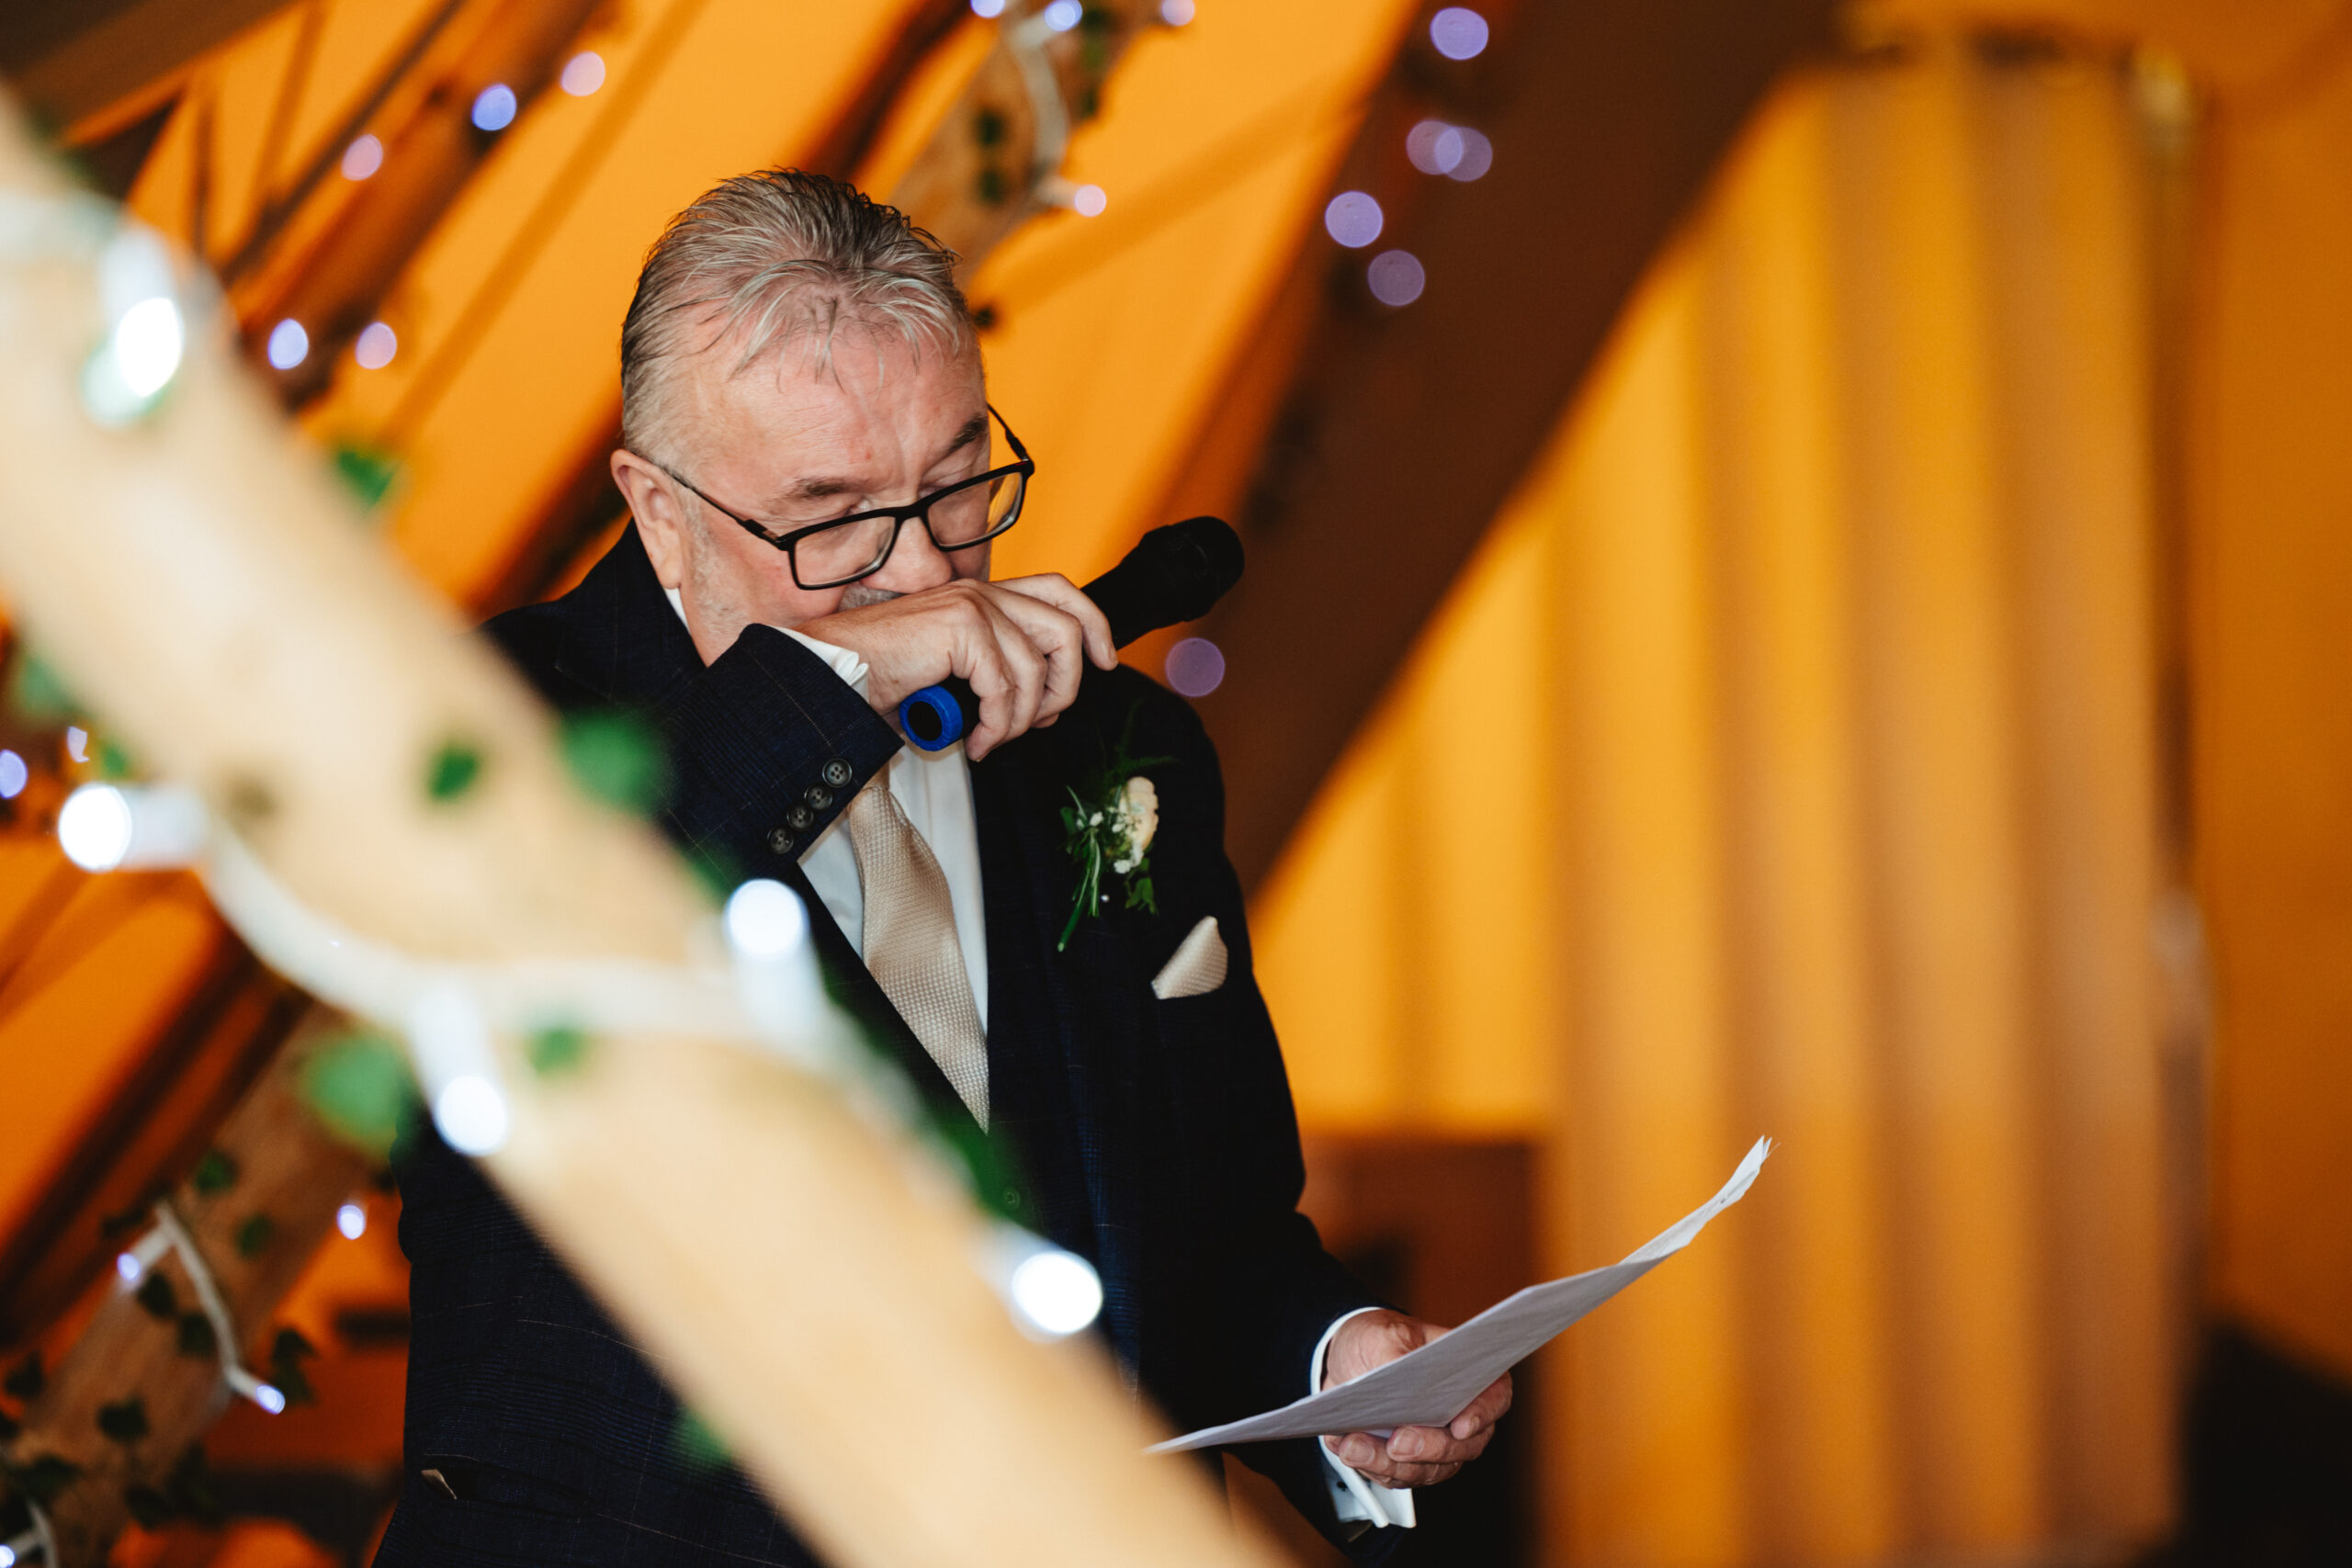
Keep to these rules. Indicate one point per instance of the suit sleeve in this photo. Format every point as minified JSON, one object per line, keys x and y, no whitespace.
{"x":766,"y":745}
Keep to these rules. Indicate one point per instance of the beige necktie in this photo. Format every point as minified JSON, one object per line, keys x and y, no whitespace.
{"x":910,"y":942}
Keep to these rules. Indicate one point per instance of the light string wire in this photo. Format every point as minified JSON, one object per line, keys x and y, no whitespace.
{"x":170,"y":1235}
{"x":39,"y":1537}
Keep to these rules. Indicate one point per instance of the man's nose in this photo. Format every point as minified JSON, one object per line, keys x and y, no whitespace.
{"x":915,"y":563}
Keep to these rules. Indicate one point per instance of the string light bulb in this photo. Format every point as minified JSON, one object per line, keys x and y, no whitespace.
{"x":582,"y":74}
{"x":289,"y":344}
{"x":495,"y":107}
{"x":1063,"y":15}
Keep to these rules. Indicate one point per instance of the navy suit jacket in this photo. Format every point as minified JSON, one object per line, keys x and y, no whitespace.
{"x":1154,"y":1137}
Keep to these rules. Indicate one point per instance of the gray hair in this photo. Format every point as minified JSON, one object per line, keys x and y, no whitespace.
{"x":781,"y":255}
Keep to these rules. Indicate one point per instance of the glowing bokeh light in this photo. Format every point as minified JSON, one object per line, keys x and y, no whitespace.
{"x":7,"y":1555}
{"x":376,"y":345}
{"x":94,"y":826}
{"x":147,"y":345}
{"x":1088,"y":201}
{"x":290,"y":344}
{"x":1063,"y":15}
{"x":1458,"y":32}
{"x":269,"y":1398}
{"x":495,"y":107}
{"x":1354,"y":219}
{"x":989,"y":8}
{"x":1477,"y":156}
{"x":1059,"y":1293}
{"x":363,"y":158}
{"x":1176,"y":13}
{"x":582,"y":74}
{"x":352,"y":1221}
{"x":1195,"y":667}
{"x":14,"y":775}
{"x":77,"y":742}
{"x":765,"y":918}
{"x":1434,"y":146}
{"x":1396,"y":277}
{"x":128,"y":1267}
{"x":471,"y":1114}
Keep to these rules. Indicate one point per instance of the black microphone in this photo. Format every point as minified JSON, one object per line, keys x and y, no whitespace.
{"x":1174,"y":574}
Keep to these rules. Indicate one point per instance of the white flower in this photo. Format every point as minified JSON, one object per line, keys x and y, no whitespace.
{"x":1139,"y":804}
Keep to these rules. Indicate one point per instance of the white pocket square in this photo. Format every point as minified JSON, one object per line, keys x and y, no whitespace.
{"x":1198,"y":966}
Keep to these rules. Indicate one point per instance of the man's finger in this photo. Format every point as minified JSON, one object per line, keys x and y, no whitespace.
{"x":1490,"y":1407}
{"x":1058,"y":637}
{"x":1053,"y":587}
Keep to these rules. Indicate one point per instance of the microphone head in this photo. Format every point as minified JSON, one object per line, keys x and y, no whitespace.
{"x":1174,"y":574}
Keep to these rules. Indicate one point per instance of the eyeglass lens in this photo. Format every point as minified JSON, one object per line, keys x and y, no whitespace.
{"x":855,"y":550}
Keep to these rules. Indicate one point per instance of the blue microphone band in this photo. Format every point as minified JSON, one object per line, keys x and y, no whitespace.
{"x":932,"y":718}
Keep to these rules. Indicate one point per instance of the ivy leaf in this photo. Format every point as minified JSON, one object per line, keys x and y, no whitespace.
{"x":696,"y":1444}
{"x":368,"y":474}
{"x":25,"y":1379}
{"x":42,"y":1478}
{"x":125,"y":1420}
{"x":254,"y":1236}
{"x":615,"y":757}
{"x":196,"y":1338}
{"x":156,"y":1295}
{"x":150,"y":1508}
{"x":557,"y":1049}
{"x":451,"y":771}
{"x":359,"y":1084}
{"x":214,"y":1174}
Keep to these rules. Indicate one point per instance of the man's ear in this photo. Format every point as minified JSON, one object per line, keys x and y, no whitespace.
{"x":654,"y":504}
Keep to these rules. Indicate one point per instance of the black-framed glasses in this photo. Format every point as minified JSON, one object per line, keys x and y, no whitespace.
{"x":958,"y":516}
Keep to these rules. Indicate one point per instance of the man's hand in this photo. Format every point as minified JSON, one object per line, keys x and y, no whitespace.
{"x":1413,"y":1456}
{"x":1021,"y":643}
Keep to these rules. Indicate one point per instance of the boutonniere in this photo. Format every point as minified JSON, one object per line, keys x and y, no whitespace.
{"x":1109,"y":826}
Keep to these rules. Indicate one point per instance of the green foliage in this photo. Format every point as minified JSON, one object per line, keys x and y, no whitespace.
{"x":990,"y":187}
{"x":114,"y":762}
{"x":125,"y":1420}
{"x":35,"y":691}
{"x":214,"y":1174}
{"x":987,"y":125}
{"x":696,"y":1444}
{"x":286,"y":1354}
{"x":25,"y":1379}
{"x":254,"y":1236}
{"x":368,"y":473}
{"x":155,"y":1294}
{"x":615,"y":757}
{"x":452,"y":770}
{"x":196,"y":1338}
{"x":557,"y":1050}
{"x":359,"y":1084}
{"x":42,"y":1478}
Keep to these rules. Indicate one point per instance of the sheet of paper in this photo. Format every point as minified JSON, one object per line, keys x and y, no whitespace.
{"x":1436,"y":1383}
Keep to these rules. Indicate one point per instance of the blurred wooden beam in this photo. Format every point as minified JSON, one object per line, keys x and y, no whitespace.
{"x":1405,"y":430}
{"x":71,"y":59}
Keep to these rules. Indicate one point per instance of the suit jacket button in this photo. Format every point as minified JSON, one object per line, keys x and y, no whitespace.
{"x":800,"y":818}
{"x":818,"y":796}
{"x":779,"y":840}
{"x":838,"y":772}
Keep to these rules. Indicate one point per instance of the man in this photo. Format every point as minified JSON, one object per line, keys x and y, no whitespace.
{"x":812,"y":466}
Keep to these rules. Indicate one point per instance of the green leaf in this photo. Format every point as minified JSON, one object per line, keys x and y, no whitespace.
{"x":988,"y":186}
{"x":214,"y":1174}
{"x":615,"y":757}
{"x":452,"y":770}
{"x":359,"y":1084}
{"x":196,"y":1338}
{"x":368,"y":473}
{"x":125,"y":1420}
{"x":42,"y":1478}
{"x":558,"y":1050}
{"x":150,"y":1508}
{"x":988,"y":127}
{"x":696,"y":1444}
{"x":155,"y":1294}
{"x":114,"y":762}
{"x":25,"y":1379}
{"x":254,"y":1236}
{"x":36,"y":692}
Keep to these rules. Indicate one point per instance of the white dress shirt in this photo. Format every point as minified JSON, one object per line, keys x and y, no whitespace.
{"x":935,"y":790}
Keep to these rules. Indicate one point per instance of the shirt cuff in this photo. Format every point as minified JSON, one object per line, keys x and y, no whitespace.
{"x":1356,"y":1499}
